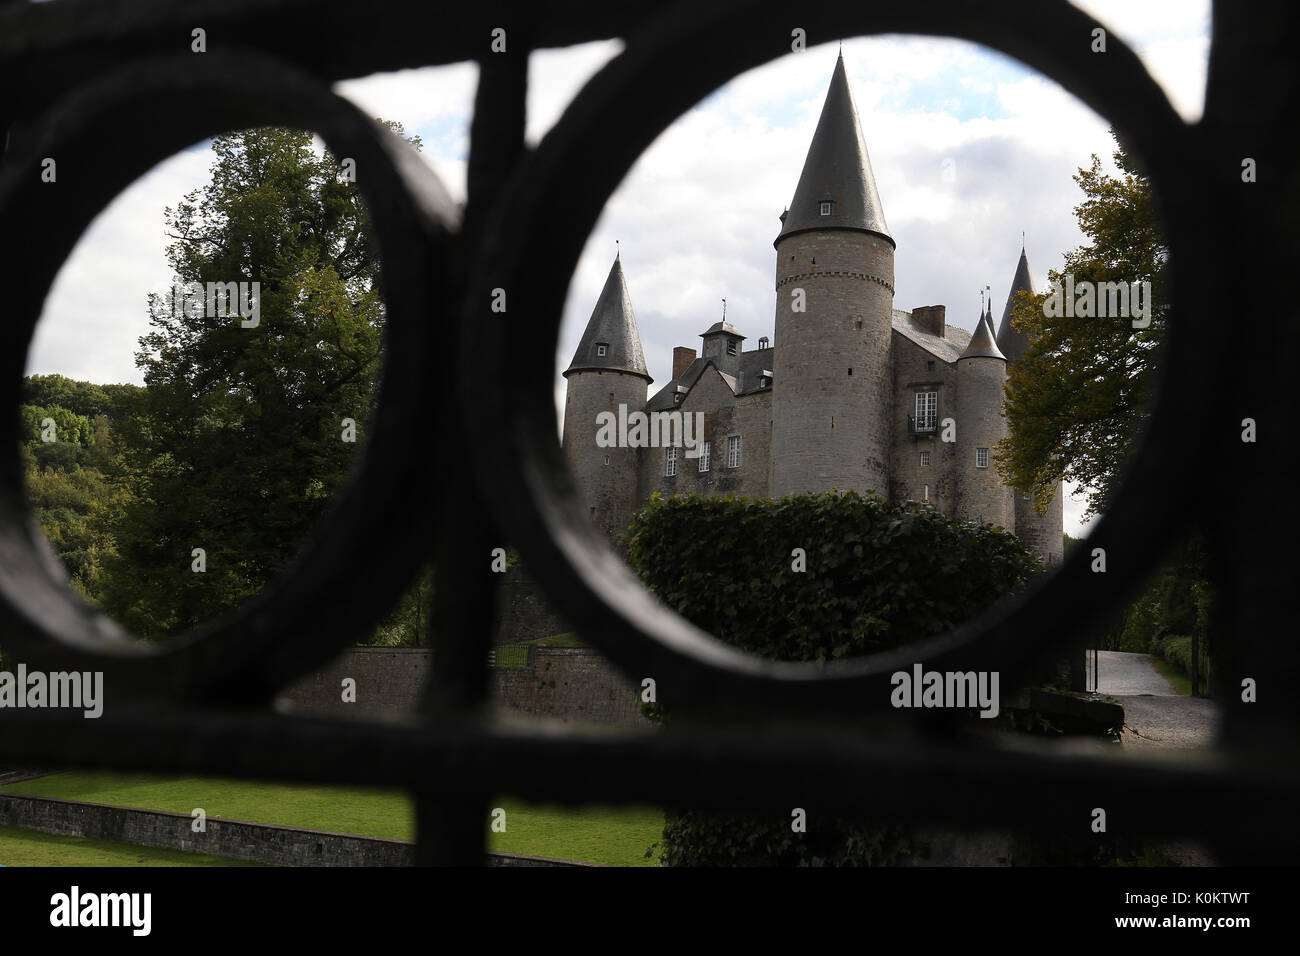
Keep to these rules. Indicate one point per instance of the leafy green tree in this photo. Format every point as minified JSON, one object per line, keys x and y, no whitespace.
{"x":65,"y":426}
{"x":70,"y":497}
{"x":1076,"y":398}
{"x":238,"y":439}
{"x":82,"y":398}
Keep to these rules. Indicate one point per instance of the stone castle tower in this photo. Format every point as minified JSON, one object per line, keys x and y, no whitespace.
{"x":834,"y":297}
{"x":607,"y":370}
{"x":853,"y":394}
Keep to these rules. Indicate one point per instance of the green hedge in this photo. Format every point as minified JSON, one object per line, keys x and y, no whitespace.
{"x":877,"y":576}
{"x":1177,"y":650}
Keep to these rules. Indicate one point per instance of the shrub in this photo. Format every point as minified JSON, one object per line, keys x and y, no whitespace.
{"x":1177,"y":650}
{"x":877,"y":576}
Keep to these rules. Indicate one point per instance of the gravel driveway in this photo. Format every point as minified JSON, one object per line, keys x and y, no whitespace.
{"x":1157,"y":718}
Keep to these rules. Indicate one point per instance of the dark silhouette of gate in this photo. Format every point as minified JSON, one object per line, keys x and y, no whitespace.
{"x":111,"y":87}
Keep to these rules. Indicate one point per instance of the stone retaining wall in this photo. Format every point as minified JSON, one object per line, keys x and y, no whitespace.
{"x":233,"y":839}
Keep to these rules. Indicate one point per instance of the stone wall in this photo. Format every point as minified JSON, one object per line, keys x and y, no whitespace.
{"x":909,"y":479}
{"x":725,"y":415}
{"x":1043,"y":535}
{"x":233,"y":839}
{"x":572,"y":685}
{"x":981,"y":495}
{"x":606,"y":478}
{"x":833,"y":381}
{"x":523,"y":613}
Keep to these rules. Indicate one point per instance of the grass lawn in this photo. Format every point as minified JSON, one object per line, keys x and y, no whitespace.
{"x":592,"y":834}
{"x":28,"y":848}
{"x":1180,"y":682}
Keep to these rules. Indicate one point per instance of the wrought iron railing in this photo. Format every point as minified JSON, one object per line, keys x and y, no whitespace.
{"x":111,"y":88}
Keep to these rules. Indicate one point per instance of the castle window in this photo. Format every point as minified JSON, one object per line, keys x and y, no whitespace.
{"x":677,"y":399}
{"x":705,"y":454}
{"x":733,"y":451}
{"x":981,"y":457}
{"x":670,"y":462}
{"x":601,"y":349}
{"x":927,"y":493}
{"x":731,"y":347}
{"x":607,"y":459}
{"x":927,"y":411}
{"x":925,"y":459}
{"x":857,"y":324}
{"x":826,"y":208}
{"x":929,"y":366}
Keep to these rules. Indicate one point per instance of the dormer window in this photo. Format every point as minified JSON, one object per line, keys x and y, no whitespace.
{"x":826,"y":207}
{"x":602,"y":349}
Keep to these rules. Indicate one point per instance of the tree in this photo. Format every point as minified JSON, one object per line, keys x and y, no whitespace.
{"x":63,"y":470}
{"x":1076,"y":397}
{"x":240,"y":435}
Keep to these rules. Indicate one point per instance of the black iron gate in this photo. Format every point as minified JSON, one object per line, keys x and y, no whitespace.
{"x":111,"y":88}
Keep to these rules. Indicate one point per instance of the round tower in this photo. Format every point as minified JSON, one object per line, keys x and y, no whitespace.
{"x":834,"y":308}
{"x":607,"y":374}
{"x":1042,"y":535}
{"x":981,"y":377}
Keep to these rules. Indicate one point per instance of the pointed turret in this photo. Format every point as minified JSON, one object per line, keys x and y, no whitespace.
{"x":834,"y":316}
{"x":607,"y":377}
{"x":1012,"y":343}
{"x":983,"y":343}
{"x":981,"y":377}
{"x":611,"y":340}
{"x":837,"y":189}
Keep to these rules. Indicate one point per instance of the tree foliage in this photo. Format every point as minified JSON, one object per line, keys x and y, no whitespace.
{"x":1076,"y":398}
{"x":237,"y":441}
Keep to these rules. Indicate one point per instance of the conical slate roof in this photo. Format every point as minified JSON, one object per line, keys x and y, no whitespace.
{"x":1012,"y":343}
{"x":613,"y":325}
{"x":983,"y":343}
{"x":837,"y":170}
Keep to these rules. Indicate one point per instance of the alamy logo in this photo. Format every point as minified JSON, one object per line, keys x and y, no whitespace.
{"x":949,"y":689}
{"x":35,"y":689}
{"x":655,"y":430}
{"x":219,"y":300}
{"x":74,"y":908}
{"x":1100,"y":300}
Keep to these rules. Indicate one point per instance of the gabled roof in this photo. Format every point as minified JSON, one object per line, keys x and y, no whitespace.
{"x":1012,"y":343}
{"x":663,"y":399}
{"x":837,"y":169}
{"x":983,"y":343}
{"x":948,"y":348}
{"x":613,"y":324}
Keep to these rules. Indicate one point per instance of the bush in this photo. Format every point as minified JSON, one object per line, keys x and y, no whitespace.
{"x":1177,"y":650}
{"x":876,"y":576}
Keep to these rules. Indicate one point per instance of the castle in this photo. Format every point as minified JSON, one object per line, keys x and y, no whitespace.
{"x":853,"y":393}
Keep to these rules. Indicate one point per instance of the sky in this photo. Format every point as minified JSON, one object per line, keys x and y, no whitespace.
{"x":969,"y":147}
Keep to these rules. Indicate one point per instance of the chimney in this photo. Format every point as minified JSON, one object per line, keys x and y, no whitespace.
{"x":682,"y":359}
{"x":931,"y":318}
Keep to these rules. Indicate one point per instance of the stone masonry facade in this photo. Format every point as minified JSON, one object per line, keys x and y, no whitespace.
{"x":853,"y":394}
